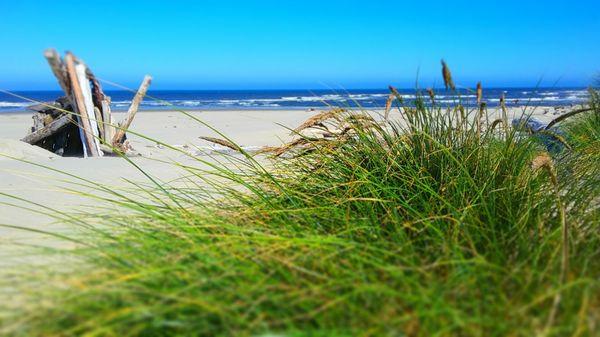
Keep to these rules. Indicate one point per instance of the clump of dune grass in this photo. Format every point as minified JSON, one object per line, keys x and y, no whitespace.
{"x":427,"y":224}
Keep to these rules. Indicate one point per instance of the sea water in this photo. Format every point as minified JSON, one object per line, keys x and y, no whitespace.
{"x":306,"y":99}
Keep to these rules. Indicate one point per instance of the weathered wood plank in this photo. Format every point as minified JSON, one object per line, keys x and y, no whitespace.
{"x":38,"y":122}
{"x":109,"y":128}
{"x":97,"y":92}
{"x":87,"y":134}
{"x":58,"y":69}
{"x":100,"y":122}
{"x":48,"y":130}
{"x":133,"y":108}
{"x":45,"y":108}
{"x":86,"y":91}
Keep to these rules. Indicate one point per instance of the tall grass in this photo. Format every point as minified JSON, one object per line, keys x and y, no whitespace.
{"x":435,"y":223}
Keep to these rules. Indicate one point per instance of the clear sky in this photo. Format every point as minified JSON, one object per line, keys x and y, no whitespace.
{"x":304,"y":44}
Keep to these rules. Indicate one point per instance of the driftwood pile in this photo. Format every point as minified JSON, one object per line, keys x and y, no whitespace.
{"x":80,"y":123}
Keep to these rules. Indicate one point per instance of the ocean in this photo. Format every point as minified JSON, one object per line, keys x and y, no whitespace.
{"x":304,"y":99}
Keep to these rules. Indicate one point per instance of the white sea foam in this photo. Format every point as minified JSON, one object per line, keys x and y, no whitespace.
{"x":14,"y":104}
{"x":531,"y":99}
{"x":366,"y":99}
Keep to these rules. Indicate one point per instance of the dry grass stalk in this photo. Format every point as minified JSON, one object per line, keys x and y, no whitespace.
{"x":279,"y":150}
{"x":431,"y":95}
{"x":557,"y":137}
{"x":543,"y":161}
{"x":221,"y":142}
{"x":496,"y":122}
{"x":267,"y":149}
{"x":395,"y":92}
{"x":567,"y":115}
{"x":503,"y":106}
{"x":447,"y":75}
{"x":504,"y":110}
{"x":399,"y":97}
{"x":463,"y":113}
{"x":481,"y":107}
{"x":388,"y":105}
{"x":317,"y":119}
{"x":291,"y":145}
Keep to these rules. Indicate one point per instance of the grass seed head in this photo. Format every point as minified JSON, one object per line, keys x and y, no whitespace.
{"x":317,"y":119}
{"x":221,"y":142}
{"x":388,"y":105}
{"x":540,"y":161}
{"x":395,"y":92}
{"x":431,"y":94}
{"x":447,"y":75}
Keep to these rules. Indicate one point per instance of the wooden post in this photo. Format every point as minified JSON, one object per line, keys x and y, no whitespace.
{"x":86,"y":91}
{"x":102,"y":103}
{"x":58,"y":68}
{"x":109,"y":128}
{"x":99,"y":121}
{"x":88,"y":136}
{"x":139,"y":96}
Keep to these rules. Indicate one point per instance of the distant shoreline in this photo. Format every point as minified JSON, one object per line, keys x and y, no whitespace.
{"x":243,"y":100}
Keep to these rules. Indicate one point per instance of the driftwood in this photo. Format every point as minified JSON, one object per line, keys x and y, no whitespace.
{"x":38,"y":121}
{"x":81,"y":122}
{"x":88,"y":136}
{"x":48,"y":130}
{"x":55,"y":109}
{"x":133,"y":108}
{"x":58,"y":68}
{"x":86,"y":92}
{"x":109,"y":128}
{"x":99,"y":121}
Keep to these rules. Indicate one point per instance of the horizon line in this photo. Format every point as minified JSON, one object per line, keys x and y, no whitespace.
{"x":385,"y":88}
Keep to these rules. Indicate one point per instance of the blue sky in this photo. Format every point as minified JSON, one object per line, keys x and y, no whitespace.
{"x":304,"y":44}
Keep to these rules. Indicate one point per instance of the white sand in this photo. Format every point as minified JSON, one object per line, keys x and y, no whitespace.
{"x":25,"y":180}
{"x":250,"y":129}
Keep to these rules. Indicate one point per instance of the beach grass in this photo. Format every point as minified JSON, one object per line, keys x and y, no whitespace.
{"x":438,"y":223}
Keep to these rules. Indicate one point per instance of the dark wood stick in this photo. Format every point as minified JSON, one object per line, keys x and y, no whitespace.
{"x":97,"y":92}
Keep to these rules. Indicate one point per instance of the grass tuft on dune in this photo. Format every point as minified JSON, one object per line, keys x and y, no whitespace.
{"x":435,"y":223}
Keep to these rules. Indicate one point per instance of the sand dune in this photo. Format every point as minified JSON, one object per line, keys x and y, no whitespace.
{"x":251,"y":129}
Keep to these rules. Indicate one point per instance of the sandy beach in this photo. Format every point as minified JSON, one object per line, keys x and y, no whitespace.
{"x":35,"y":179}
{"x":251,"y":129}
